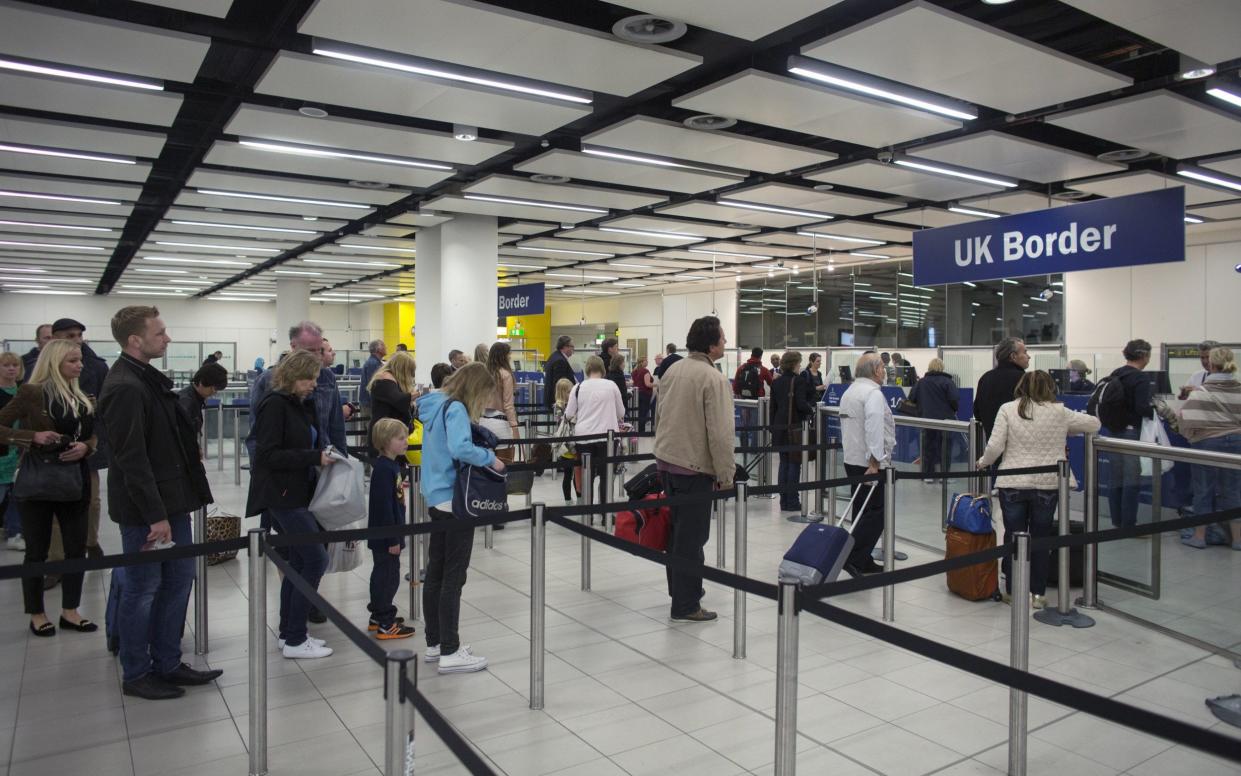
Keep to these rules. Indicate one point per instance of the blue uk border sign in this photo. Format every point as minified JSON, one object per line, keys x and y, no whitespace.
{"x":520,"y":300}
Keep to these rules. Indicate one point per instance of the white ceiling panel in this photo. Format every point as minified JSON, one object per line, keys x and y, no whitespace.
{"x":903,"y":181}
{"x":823,"y":244}
{"x":1227,"y":164}
{"x":218,"y":8}
{"x":285,"y":187}
{"x":652,"y":224}
{"x":188,"y":230}
{"x":383,"y":230}
{"x":893,"y":251}
{"x":867,"y":231}
{"x":986,"y":66}
{"x":1014,"y":202}
{"x":668,"y":138}
{"x":1015,"y":157}
{"x":71,"y":219}
{"x":739,"y":18}
{"x":253,"y":121}
{"x":39,"y":185}
{"x":422,"y":219}
{"x":1135,"y":182}
{"x":804,"y":197}
{"x":566,"y":194}
{"x":720,"y":250}
{"x":734,"y":215}
{"x":1208,"y":30}
{"x":317,"y":79}
{"x":1219,"y":212}
{"x":218,"y":216}
{"x":763,"y":98}
{"x":189,"y":198}
{"x":526,"y":227}
{"x":229,"y":154}
{"x":584,"y":166}
{"x":77,"y":99}
{"x":500,"y":40}
{"x":504,"y":210}
{"x":595,"y":246}
{"x":59,"y":166}
{"x":1162,"y":122}
{"x":75,"y":39}
{"x":927,"y":217}
{"x":79,"y":137}
{"x":725,"y":265}
{"x":649,"y":240}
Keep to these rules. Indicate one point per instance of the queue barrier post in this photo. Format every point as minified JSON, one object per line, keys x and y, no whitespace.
{"x":831,"y":492}
{"x":237,"y":446}
{"x":538,"y":592}
{"x":764,"y":440}
{"x":398,"y":716}
{"x":1063,"y":613}
{"x":1090,"y":509}
{"x":529,"y":433}
{"x":219,"y":437}
{"x":889,"y":541}
{"x":257,"y":591}
{"x":588,"y":497}
{"x":200,"y":583}
{"x":609,"y":478}
{"x":786,"y":682}
{"x":415,"y":545}
{"x":820,"y":467}
{"x":740,"y":531}
{"x":721,"y":540}
{"x":1019,"y":655}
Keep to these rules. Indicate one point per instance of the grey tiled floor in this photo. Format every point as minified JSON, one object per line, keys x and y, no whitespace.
{"x":627,"y":692}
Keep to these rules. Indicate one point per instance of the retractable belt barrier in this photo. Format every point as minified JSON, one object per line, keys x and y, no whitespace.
{"x":763,"y":490}
{"x":394,"y":531}
{"x":460,"y":748}
{"x":978,"y":473}
{"x":124,"y":559}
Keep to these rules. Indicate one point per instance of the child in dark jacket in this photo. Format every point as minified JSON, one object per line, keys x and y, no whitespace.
{"x":387,"y":508}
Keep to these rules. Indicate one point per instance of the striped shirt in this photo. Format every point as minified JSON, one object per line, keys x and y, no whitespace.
{"x":1214,"y":410}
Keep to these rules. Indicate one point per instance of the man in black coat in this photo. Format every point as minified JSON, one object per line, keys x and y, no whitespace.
{"x":558,"y":368}
{"x":996,"y":386}
{"x":156,"y":480}
{"x":42,"y":336}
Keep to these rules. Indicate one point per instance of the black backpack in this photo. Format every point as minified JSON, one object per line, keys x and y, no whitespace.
{"x":1109,"y":405}
{"x":751,"y":381}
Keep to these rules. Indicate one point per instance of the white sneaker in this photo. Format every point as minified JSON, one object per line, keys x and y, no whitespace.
{"x":312,"y":639}
{"x":432,"y":655}
{"x":306,"y":650}
{"x":16,"y":543}
{"x":461,"y":661}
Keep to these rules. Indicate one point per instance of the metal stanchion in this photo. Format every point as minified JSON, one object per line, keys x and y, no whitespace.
{"x":399,"y":714}
{"x":237,"y":446}
{"x":806,"y":515}
{"x":257,"y":590}
{"x":200,"y":584}
{"x":889,"y":540}
{"x":538,"y":588}
{"x":740,"y":530}
{"x":202,"y":441}
{"x":415,"y":541}
{"x":609,"y":479}
{"x":786,"y":682}
{"x":721,"y":541}
{"x":1064,"y":613}
{"x":1090,"y":553}
{"x":219,"y":437}
{"x":588,"y":497}
{"x":831,"y":492}
{"x":1019,"y":655}
{"x":764,"y":440}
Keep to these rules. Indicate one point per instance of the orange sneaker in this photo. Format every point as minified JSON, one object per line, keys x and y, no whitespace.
{"x":373,"y":626}
{"x":394,"y":631}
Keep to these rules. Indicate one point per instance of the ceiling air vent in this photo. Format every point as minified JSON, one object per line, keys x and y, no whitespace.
{"x":709,"y":121}
{"x":545,"y":178}
{"x":368,"y":184}
{"x":1123,"y":155}
{"x":1070,"y":194}
{"x":646,"y":28}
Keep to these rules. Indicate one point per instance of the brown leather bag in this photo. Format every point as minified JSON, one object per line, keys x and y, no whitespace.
{"x":980,"y":581}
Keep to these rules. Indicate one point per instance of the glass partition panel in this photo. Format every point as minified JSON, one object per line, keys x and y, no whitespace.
{"x":875,"y":307}
{"x":229,"y":350}
{"x":922,"y":314}
{"x":183,"y":357}
{"x":1129,"y":495}
{"x":966,"y":365}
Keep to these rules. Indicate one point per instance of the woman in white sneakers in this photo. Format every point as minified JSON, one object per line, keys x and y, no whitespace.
{"x":1032,"y":431}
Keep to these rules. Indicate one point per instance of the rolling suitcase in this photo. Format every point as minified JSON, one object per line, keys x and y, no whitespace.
{"x":820,"y":551}
{"x":980,"y":581}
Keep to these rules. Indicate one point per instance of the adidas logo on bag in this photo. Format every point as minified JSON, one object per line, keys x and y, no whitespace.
{"x":488,"y":505}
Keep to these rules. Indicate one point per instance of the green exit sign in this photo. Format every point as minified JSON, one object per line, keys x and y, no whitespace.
{"x":516,"y":332}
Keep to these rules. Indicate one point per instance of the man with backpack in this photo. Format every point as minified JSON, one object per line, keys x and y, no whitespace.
{"x":1121,"y":401}
{"x":751,"y":382}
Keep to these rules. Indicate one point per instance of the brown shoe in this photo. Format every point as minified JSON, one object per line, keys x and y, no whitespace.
{"x":702,"y":615}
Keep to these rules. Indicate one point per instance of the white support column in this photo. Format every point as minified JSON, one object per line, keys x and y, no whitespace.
{"x":455,"y":278}
{"x":292,"y":306}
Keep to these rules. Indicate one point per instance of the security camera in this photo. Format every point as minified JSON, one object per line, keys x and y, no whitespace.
{"x":812,"y":309}
{"x":1046,"y":294}
{"x":779,"y":262}
{"x":885,"y":156}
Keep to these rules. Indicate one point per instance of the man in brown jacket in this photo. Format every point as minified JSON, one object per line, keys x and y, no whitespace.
{"x":694,"y":451}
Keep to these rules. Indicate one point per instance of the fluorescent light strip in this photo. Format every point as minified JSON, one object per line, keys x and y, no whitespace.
{"x":34,"y":150}
{"x":156,"y":288}
{"x":379,"y":264}
{"x":506,"y":265}
{"x":630,"y":266}
{"x":234,"y":299}
{"x":563,"y":250}
{"x":1214,"y":180}
{"x":658,"y":162}
{"x":731,"y":253}
{"x":589,"y":291}
{"x":955,"y":173}
{"x":884,"y":94}
{"x":533,"y":203}
{"x":646,"y":233}
{"x":690,"y":277}
{"x":631,"y":285}
{"x":204,"y":261}
{"x":1219,"y":93}
{"x":296,"y":272}
{"x":56,"y":226}
{"x":247,"y":228}
{"x":868,"y":255}
{"x":773,"y":209}
{"x":273,"y":198}
{"x":150,"y":293}
{"x":348,"y":295}
{"x":25,"y":269}
{"x":281,"y":148}
{"x":967,"y":211}
{"x":164,"y":271}
{"x":242,"y":248}
{"x":1008,"y":282}
{"x":859,"y":240}
{"x":1193,"y":220}
{"x":451,"y":76}
{"x":54,"y":292}
{"x":22,"y":244}
{"x":45,"y":279}
{"x":579,"y":276}
{"x":60,"y":72}
{"x":375,"y":248}
{"x":252,"y":295}
{"x":58,"y":198}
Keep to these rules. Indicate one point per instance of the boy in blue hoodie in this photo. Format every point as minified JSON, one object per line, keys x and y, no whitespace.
{"x":387,"y":508}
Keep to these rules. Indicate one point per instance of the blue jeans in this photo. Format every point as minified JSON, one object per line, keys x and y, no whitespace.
{"x":1034,"y":512}
{"x":1124,"y":481}
{"x":8,"y":503}
{"x":790,"y":474}
{"x":154,"y":599}
{"x":309,"y":561}
{"x":1216,"y":488}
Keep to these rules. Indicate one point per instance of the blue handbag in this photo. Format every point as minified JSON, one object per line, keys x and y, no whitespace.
{"x":478,"y":491}
{"x":971,"y":512}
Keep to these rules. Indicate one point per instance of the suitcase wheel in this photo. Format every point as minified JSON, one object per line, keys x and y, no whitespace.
{"x":997,"y":596}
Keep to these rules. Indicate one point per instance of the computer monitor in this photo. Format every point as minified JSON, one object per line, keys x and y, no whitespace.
{"x":846,"y":374}
{"x":1160,"y":384}
{"x":1061,"y":376}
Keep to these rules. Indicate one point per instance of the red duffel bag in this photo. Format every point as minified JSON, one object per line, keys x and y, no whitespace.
{"x":647,"y":527}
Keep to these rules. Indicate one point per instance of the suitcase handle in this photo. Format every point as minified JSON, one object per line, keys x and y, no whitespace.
{"x":869,"y":492}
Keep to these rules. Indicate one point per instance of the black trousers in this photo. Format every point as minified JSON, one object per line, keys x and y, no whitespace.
{"x":448,"y":557}
{"x":645,"y":405}
{"x":385,"y":581}
{"x":869,"y":526}
{"x":691,"y":527}
{"x":597,"y":450}
{"x":37,"y":519}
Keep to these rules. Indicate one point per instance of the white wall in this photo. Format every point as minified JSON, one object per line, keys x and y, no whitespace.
{"x":660,"y":318}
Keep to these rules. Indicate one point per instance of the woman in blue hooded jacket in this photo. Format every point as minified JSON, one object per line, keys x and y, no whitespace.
{"x":447,"y":417}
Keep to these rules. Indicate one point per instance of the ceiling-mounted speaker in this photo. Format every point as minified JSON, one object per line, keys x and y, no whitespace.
{"x":1123,"y":155}
{"x":709,"y":121}
{"x":648,"y":28}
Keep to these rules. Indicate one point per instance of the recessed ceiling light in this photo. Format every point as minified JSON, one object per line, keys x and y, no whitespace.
{"x":464,"y":132}
{"x":58,"y":198}
{"x":649,"y":233}
{"x":331,"y":153}
{"x":969,"y":211}
{"x":844,"y":78}
{"x":823,"y":187}
{"x":56,"y":226}
{"x":206,"y":261}
{"x":708,"y":121}
{"x":274,"y":198}
{"x":627,"y":157}
{"x":368,"y":184}
{"x":955,"y":173}
{"x":840,"y":238}
{"x":1069,"y":194}
{"x":209,"y":246}
{"x":245,"y":227}
{"x":313,"y":112}
{"x":385,"y":248}
{"x":1212,"y":178}
{"x":648,"y":29}
{"x":411,"y":67}
{"x":335,"y":263}
{"x":1123,"y":155}
{"x":730,"y":253}
{"x":579,"y":276}
{"x":773,"y":209}
{"x":546,"y":178}
{"x":533,"y":203}
{"x":31,"y":66}
{"x":565,"y":250}
{"x":66,"y":154}
{"x":54,"y":246}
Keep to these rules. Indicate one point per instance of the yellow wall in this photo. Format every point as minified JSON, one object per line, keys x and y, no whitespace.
{"x":398,"y":320}
{"x":400,"y":316}
{"x":538,"y":331}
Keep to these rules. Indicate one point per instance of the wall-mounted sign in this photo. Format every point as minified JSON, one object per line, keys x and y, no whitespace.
{"x":1116,"y":232}
{"x":521,"y":300}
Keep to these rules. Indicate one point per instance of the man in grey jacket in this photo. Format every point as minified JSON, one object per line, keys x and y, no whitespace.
{"x":307,"y":335}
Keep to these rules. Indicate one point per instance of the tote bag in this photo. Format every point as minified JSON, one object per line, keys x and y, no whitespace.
{"x":346,"y":556}
{"x":340,"y":497}
{"x":1153,"y":432}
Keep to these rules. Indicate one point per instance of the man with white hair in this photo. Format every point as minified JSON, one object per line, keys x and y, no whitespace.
{"x":379,"y":350}
{"x":868,"y":436}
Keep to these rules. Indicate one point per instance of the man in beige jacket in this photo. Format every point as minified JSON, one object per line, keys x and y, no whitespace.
{"x":694,"y":451}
